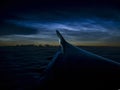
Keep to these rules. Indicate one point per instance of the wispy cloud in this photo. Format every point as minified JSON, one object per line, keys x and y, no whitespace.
{"x":75,"y":26}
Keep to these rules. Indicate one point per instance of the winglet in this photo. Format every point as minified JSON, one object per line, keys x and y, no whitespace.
{"x":61,"y":40}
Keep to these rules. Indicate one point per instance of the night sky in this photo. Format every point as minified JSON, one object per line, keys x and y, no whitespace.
{"x":84,"y":22}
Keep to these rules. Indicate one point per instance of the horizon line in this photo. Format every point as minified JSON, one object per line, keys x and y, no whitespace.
{"x":47,"y":45}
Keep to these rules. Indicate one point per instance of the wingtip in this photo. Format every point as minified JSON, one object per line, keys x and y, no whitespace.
{"x":58,"y":33}
{"x":60,"y":36}
{"x":62,"y":41}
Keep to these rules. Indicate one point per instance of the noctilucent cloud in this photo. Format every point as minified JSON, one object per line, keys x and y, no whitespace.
{"x":81,"y":25}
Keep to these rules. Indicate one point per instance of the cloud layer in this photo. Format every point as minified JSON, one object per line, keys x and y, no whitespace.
{"x":78,"y":25}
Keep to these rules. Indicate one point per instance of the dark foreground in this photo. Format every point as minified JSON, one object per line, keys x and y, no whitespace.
{"x":19,"y":65}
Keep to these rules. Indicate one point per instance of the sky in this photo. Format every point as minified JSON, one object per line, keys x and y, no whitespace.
{"x":81,"y":22}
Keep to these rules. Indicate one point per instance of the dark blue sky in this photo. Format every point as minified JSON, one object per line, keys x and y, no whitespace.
{"x":84,"y":22}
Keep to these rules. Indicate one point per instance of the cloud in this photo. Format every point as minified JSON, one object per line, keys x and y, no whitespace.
{"x":10,"y":29}
{"x":83,"y":25}
{"x":95,"y":29}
